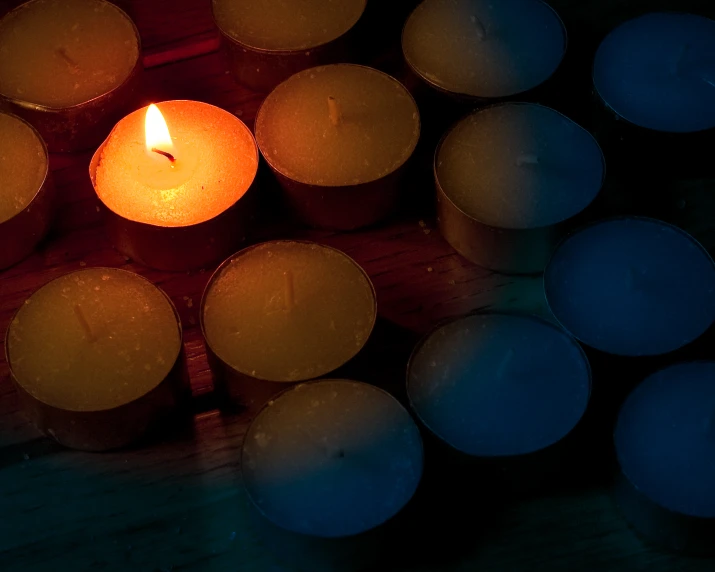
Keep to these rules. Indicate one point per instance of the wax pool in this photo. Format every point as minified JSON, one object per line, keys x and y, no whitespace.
{"x":278,"y":25}
{"x":60,"y":53}
{"x":23,"y":165}
{"x":484,"y":48}
{"x":632,"y":286}
{"x":93,"y":340}
{"x":499,"y":385}
{"x":332,"y":458}
{"x":657,"y":71}
{"x":338,"y":125}
{"x":288,"y":311}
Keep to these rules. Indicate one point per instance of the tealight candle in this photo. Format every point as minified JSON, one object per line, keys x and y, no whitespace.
{"x":69,"y":67}
{"x":632,"y":287}
{"x":484,"y":49}
{"x":500,"y":387}
{"x":665,"y":444}
{"x":25,"y":189}
{"x":268,"y":41}
{"x":326,"y":463}
{"x":337,"y":138}
{"x":96,"y":357}
{"x":508,"y":179}
{"x":176,"y":189}
{"x":282,"y":312}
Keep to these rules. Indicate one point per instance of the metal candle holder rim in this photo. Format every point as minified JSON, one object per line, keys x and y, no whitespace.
{"x":584,"y":227}
{"x":49,"y":109}
{"x":94,"y":164}
{"x":311,"y":381}
{"x":318,"y":185}
{"x":478,"y":98}
{"x":221,"y":267}
{"x":524,"y":315}
{"x":164,"y":294}
{"x":505,"y":104}
{"x":280,"y":51}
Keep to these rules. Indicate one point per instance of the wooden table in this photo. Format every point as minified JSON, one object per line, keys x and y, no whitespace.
{"x":174,"y":502}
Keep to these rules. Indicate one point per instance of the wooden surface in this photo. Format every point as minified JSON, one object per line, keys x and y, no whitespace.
{"x":174,"y":502}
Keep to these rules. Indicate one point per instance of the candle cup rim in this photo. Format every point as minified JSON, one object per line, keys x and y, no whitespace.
{"x":102,"y":96}
{"x":454,"y":125}
{"x":179,"y":327}
{"x":347,"y":185}
{"x":288,"y":389}
{"x":650,"y":220}
{"x":96,"y":156}
{"x":282,"y":51}
{"x":226,"y":263}
{"x":479,"y":98}
{"x":610,"y":108}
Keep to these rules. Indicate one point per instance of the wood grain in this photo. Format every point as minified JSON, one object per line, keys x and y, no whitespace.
{"x":174,"y":501}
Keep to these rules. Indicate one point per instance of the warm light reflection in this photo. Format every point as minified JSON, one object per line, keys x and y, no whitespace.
{"x":157,"y":133}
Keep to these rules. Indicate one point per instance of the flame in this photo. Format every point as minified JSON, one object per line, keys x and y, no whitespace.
{"x":157,"y":133}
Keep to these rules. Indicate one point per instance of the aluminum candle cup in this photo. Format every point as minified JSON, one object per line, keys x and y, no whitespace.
{"x":509,"y":178}
{"x":665,"y":444}
{"x":96,"y":357}
{"x":26,"y":190}
{"x":282,"y":312}
{"x":326,"y":465}
{"x":71,"y":68}
{"x":180,"y":196}
{"x":501,"y":392}
{"x":267,"y":41}
{"x":338,"y":139}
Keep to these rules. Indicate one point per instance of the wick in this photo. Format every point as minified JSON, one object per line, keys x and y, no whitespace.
{"x":330,"y":452}
{"x":82,"y":319}
{"x":506,"y":360}
{"x":167,"y":155}
{"x":524,"y":159}
{"x":62,"y":52}
{"x":481,"y":29}
{"x":678,"y":65}
{"x":336,"y":116}
{"x":289,"y":290}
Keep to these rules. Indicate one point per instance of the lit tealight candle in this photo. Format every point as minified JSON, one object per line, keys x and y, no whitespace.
{"x":95,"y":356}
{"x":25,"y":189}
{"x":484,"y":49}
{"x":65,"y":66}
{"x":270,"y":40}
{"x":325,"y":463}
{"x":506,"y":177}
{"x":174,"y":180}
{"x":337,"y":137}
{"x":665,"y":444}
{"x":283,"y":312}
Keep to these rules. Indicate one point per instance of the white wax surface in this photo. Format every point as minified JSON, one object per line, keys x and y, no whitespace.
{"x":632,"y":286}
{"x":484,"y":48}
{"x":332,"y":458}
{"x":519,"y":165}
{"x":665,"y":438}
{"x":658,"y":71}
{"x":497,"y":385}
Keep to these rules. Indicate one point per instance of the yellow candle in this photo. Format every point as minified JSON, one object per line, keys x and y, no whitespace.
{"x":281,"y":25}
{"x":287,"y":311}
{"x":338,"y":125}
{"x":23,"y":165}
{"x":190,"y":170}
{"x":60,"y":53}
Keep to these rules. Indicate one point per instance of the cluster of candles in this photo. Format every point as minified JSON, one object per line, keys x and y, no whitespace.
{"x":330,"y":459}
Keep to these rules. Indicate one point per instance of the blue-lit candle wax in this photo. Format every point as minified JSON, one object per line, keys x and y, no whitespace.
{"x":665,"y":445}
{"x":484,"y":48}
{"x":632,"y":287}
{"x":497,"y":385}
{"x":658,"y":71}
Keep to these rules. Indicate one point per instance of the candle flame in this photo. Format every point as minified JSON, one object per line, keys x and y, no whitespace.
{"x":157,"y":133}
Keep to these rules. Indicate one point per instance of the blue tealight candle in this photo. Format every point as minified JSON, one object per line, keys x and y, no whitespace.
{"x":658,"y":71}
{"x":632,"y":287}
{"x":665,"y":444}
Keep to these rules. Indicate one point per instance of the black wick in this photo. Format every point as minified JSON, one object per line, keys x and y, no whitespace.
{"x":167,"y":155}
